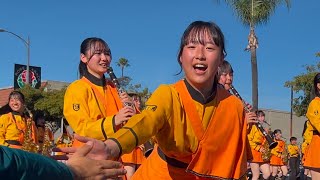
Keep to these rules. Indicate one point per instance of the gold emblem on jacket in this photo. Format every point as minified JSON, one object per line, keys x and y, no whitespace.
{"x":76,"y":107}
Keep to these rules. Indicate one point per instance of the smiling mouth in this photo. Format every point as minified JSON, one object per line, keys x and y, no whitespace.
{"x":104,"y":65}
{"x":200,"y":67}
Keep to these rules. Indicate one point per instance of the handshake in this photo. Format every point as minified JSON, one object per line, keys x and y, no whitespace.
{"x":92,"y":160}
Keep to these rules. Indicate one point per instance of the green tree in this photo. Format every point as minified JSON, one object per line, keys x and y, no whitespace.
{"x":49,"y":103}
{"x":302,"y":85}
{"x":252,"y":13}
{"x":122,"y":63}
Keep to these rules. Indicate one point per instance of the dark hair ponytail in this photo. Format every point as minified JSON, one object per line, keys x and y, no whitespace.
{"x":82,"y":69}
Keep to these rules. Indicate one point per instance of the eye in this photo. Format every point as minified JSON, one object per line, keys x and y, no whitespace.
{"x":191,"y":46}
{"x":210,"y":48}
{"x":106,"y":53}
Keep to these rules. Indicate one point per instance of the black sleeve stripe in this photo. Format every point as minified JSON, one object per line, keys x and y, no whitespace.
{"x":114,"y":124}
{"x":102,"y":129}
{"x":134,"y":134}
{"x":120,"y":148}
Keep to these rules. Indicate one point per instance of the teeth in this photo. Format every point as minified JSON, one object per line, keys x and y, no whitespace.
{"x":199,"y":66}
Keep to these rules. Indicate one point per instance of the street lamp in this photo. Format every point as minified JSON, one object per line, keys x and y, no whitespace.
{"x":27,"y":44}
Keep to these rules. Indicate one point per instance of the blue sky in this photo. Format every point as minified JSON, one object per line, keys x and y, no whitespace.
{"x":147,"y":33}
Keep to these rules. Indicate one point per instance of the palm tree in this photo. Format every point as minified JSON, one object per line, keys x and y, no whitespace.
{"x":252,"y":13}
{"x":122,"y":63}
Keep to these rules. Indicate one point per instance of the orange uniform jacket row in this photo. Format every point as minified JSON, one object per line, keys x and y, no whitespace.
{"x":312,"y":159}
{"x":210,"y":137}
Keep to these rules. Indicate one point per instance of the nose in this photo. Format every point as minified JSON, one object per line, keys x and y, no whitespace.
{"x":200,"y":53}
{"x":103,"y":57}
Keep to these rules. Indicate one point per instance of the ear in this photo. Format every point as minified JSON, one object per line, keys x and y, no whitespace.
{"x":83,"y":58}
{"x":180,"y":60}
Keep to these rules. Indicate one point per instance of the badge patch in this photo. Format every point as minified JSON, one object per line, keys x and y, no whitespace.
{"x":316,"y":112}
{"x":76,"y":107}
{"x":151,"y":107}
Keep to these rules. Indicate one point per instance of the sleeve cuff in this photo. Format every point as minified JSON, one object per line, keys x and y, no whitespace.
{"x":103,"y":130}
{"x":126,"y":138}
{"x":119,"y":146}
{"x":114,"y":127}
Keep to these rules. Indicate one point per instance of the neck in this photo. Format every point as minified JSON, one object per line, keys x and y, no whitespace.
{"x":99,"y":76}
{"x":205,"y":91}
{"x":17,"y":113}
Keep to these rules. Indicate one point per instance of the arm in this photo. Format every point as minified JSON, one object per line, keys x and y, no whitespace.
{"x":3,"y":127}
{"x":252,"y":137}
{"x":139,"y":129}
{"x":17,"y":163}
{"x":275,"y":150}
{"x":313,"y":113}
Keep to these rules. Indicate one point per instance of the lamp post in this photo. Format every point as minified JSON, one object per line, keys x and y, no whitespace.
{"x":27,"y":44}
{"x":291,"y":111}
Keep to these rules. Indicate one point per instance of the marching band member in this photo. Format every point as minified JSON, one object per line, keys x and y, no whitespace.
{"x":279,"y":157}
{"x":225,"y":75}
{"x":307,"y":137}
{"x":92,"y":105}
{"x":13,"y":124}
{"x":257,"y":143}
{"x":199,"y":127}
{"x":312,"y":160}
{"x":294,"y":158}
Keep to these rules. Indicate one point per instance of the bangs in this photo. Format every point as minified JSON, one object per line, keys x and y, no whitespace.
{"x":100,"y":47}
{"x":16,"y":96}
{"x":200,"y":35}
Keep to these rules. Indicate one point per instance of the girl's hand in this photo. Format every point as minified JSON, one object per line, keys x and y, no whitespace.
{"x":124,"y":115}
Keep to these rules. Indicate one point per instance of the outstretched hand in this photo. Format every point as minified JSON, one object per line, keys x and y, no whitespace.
{"x":86,"y":168}
{"x":99,"y":151}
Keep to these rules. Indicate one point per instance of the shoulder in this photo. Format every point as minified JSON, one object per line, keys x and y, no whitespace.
{"x":165,"y":89}
{"x":226,"y":97}
{"x":315,"y":102}
{"x":163,"y":94}
{"x":5,"y":117}
{"x":77,"y":86}
{"x":77,"y":83}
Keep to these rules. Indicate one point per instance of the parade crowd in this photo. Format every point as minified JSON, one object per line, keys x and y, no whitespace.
{"x":194,"y":129}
